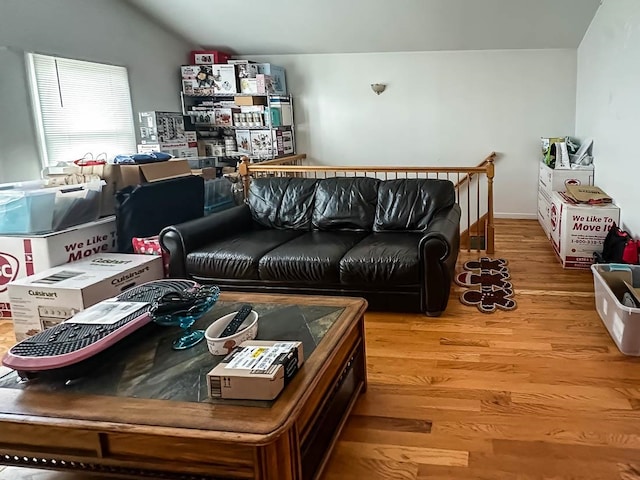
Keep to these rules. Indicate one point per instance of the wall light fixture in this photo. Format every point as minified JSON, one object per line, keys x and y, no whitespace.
{"x":378,"y":88}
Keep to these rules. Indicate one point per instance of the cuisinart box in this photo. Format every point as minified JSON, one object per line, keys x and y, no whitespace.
{"x":50,"y":297}
{"x":22,"y":255}
{"x":256,"y":370}
{"x":578,"y":230}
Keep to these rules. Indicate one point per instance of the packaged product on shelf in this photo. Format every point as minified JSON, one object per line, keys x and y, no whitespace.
{"x":284,"y":110}
{"x":248,"y":85}
{"x":261,"y":85}
{"x":243,"y":141}
{"x":211,"y":148}
{"x":225,"y":79}
{"x":245,"y":68}
{"x":277,"y":74}
{"x":261,"y":142}
{"x":203,"y":117}
{"x":223,"y":117}
{"x":249,"y":101}
{"x":159,"y":127}
{"x":283,"y":141}
{"x":175,"y":149}
{"x":199,"y":79}
{"x":191,"y":87}
{"x":258,"y":119}
{"x":230,"y":147}
{"x":189,"y":72}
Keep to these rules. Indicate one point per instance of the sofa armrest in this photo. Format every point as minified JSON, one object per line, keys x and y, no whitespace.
{"x":443,"y":233}
{"x":439,"y":249}
{"x":181,"y":239}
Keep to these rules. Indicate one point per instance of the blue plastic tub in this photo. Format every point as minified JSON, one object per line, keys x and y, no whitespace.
{"x":26,"y":211}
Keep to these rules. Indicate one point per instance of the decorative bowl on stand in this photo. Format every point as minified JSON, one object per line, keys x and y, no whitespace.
{"x":182,"y":310}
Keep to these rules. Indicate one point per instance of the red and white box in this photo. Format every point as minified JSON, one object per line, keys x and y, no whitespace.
{"x":208,"y":57}
{"x":578,"y":230}
{"x":21,"y":256}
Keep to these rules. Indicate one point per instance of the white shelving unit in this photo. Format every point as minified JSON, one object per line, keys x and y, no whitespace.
{"x":211,"y":131}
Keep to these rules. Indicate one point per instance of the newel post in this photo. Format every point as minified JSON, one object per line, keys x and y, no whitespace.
{"x":243,"y":171}
{"x":491,"y":169}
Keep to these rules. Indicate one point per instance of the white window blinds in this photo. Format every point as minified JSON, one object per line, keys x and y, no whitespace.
{"x":81,"y":107}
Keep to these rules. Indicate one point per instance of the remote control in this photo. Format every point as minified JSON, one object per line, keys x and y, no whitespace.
{"x":235,"y":323}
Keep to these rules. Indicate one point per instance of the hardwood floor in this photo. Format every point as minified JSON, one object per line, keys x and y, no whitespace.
{"x":540,"y":392}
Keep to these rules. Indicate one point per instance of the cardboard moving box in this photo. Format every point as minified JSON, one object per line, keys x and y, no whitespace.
{"x":50,"y":297}
{"x":579,"y":230}
{"x":151,"y":172}
{"x":256,"y":370}
{"x":22,"y":255}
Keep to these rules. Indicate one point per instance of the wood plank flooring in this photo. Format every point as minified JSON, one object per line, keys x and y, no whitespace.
{"x":537,"y":393}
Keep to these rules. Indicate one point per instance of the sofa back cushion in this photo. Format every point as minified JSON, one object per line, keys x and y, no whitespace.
{"x":347,"y":203}
{"x":283,"y":203}
{"x":409,"y":204}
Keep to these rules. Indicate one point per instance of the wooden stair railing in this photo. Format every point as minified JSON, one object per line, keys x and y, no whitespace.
{"x":292,"y":166}
{"x":482,"y":222}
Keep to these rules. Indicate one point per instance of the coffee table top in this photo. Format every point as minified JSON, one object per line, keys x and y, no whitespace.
{"x":143,"y":383}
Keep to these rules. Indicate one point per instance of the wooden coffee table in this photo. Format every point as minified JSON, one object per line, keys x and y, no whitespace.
{"x":143,"y":412}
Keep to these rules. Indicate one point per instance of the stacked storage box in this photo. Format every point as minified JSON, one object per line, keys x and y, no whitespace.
{"x":166,"y":132}
{"x":28,"y":254}
{"x":622,"y":321}
{"x":578,"y":230}
{"x":555,"y":180}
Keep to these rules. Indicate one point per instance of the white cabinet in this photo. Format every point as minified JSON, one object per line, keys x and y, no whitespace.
{"x":555,"y":180}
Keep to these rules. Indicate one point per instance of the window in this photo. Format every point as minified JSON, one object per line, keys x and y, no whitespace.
{"x":80,"y":107}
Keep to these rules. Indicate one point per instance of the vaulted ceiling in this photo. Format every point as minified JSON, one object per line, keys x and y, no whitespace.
{"x":346,"y":26}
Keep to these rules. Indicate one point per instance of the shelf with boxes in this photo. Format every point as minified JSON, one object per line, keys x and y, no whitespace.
{"x":239,"y":108}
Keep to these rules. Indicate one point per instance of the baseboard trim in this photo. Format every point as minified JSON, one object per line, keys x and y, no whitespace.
{"x":516,"y":216}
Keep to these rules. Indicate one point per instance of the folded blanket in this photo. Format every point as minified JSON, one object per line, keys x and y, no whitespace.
{"x":140,"y":158}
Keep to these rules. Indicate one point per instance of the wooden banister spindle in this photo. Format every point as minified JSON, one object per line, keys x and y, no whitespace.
{"x":490,"y":247}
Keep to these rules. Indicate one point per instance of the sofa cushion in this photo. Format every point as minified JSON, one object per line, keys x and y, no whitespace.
{"x":236,"y":256}
{"x":409,"y":204}
{"x":282,"y":202}
{"x":345,"y":203}
{"x":311,"y":257}
{"x":386,"y":258}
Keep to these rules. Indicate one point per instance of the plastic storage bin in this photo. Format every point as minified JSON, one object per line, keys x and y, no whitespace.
{"x":76,"y":204}
{"x":622,"y":322}
{"x":217,"y":195}
{"x":26,"y":208}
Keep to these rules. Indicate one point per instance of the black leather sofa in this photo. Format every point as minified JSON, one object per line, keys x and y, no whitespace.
{"x":393,"y":242}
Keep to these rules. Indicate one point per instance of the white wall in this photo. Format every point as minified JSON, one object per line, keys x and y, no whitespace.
{"x":608,"y":102}
{"x":440,"y":108}
{"x":108,"y":31}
